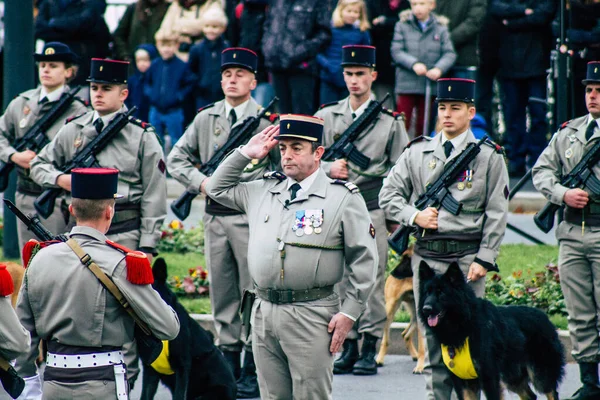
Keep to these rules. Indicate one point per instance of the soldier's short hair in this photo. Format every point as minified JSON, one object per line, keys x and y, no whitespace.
{"x":90,"y":210}
{"x":314,"y":146}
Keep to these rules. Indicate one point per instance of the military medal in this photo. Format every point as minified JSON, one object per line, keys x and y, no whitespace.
{"x":299,"y":223}
{"x":469,"y":179}
{"x":77,"y":142}
{"x":569,"y":153}
{"x":432,"y":164}
{"x":217,"y":131}
{"x":23,"y":123}
{"x":308,"y":230}
{"x":299,"y":232}
{"x":461,"y":186}
{"x":317,"y":230}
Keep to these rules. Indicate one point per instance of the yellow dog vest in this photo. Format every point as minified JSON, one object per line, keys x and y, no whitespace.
{"x":162,"y":364}
{"x":461,"y":364}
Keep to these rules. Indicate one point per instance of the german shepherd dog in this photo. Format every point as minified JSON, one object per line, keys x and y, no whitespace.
{"x":201,"y":371}
{"x":510,"y":345}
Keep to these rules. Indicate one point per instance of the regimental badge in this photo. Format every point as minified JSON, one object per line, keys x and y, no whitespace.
{"x":288,"y":126}
{"x":572,"y":138}
{"x":449,"y":88}
{"x":569,"y":153}
{"x":49,"y":51}
{"x":77,"y":143}
{"x":372,"y":231}
{"x":596,"y":70}
{"x":353,"y":54}
{"x":432,"y":164}
{"x":26,"y":110}
{"x":234,"y":55}
{"x":101,"y":68}
{"x":23,"y":123}
{"x":254,"y":161}
{"x":217,"y":131}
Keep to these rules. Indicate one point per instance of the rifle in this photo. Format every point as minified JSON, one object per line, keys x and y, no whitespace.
{"x":86,"y":158}
{"x":239,"y":136}
{"x":580,"y":176}
{"x":149,"y":347}
{"x":437,"y":194}
{"x":13,"y":384}
{"x":36,"y":138}
{"x":344,"y":147}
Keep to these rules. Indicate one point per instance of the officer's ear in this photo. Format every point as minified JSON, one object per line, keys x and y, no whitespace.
{"x":124,"y":93}
{"x":253,"y":84}
{"x":71,"y":210}
{"x":471,"y":110}
{"x":109,"y":212}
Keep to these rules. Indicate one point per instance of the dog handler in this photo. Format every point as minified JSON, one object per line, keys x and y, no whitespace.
{"x":577,"y":234}
{"x":471,"y":238}
{"x":63,"y":303}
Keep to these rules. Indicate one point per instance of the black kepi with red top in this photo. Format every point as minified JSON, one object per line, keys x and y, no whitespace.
{"x":104,"y":70}
{"x":358,"y":55}
{"x":95,"y":183}
{"x":239,"y":57}
{"x":455,"y":89}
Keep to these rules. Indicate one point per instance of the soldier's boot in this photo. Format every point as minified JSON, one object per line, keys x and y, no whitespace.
{"x":366,"y":364}
{"x":247,"y":385}
{"x":233,"y":359}
{"x":589,"y":377}
{"x":345,"y":363}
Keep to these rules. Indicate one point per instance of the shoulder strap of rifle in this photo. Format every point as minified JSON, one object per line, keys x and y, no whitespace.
{"x":107,"y":283}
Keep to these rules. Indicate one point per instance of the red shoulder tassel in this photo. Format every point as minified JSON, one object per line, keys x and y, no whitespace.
{"x":6,"y":283}
{"x":139,"y":270}
{"x":30,"y":248}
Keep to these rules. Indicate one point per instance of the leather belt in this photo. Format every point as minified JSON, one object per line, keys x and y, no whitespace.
{"x":285,"y":296}
{"x":449,"y":246}
{"x":214,"y":208}
{"x":590,"y":214}
{"x":28,"y":187}
{"x":370,"y":192}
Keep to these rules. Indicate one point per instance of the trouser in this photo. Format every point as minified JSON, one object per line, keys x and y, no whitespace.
{"x":226,"y":246}
{"x":90,"y":390}
{"x":291,"y":348}
{"x":406,"y":103}
{"x":372,"y":321}
{"x":438,"y":383}
{"x":296,"y":92}
{"x":171,"y":121}
{"x":55,"y":223}
{"x":579,"y":269}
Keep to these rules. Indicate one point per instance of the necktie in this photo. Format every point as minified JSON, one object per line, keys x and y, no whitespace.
{"x":353,"y":116}
{"x":232,"y":117}
{"x":294,"y":189}
{"x":448,"y":148}
{"x":99,"y":125}
{"x":590,"y":129}
{"x":44,"y":100}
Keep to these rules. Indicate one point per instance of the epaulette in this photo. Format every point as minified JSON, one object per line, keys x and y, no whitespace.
{"x":394,"y":114}
{"x":349,"y":185}
{"x":6,"y":282}
{"x":499,"y":149}
{"x":564,"y":124}
{"x":32,"y":247}
{"x":70,"y":119}
{"x":205,"y":107}
{"x":139,"y":122}
{"x":417,"y":140}
{"x":139,"y":270}
{"x":82,"y":101}
{"x":328,"y":105}
{"x":275,"y":175}
{"x":272,"y":117}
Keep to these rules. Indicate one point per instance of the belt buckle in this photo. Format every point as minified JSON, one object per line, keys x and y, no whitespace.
{"x":274,"y":296}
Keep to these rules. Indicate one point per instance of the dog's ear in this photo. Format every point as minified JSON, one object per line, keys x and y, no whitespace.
{"x":454,"y":275}
{"x":159,"y":270}
{"x":425,"y":272}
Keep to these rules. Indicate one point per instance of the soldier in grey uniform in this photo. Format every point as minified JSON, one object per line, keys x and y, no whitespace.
{"x":577,"y":234}
{"x":135,"y":151}
{"x":83,"y":324}
{"x":55,"y":69}
{"x":472,"y":238}
{"x":306,"y":232}
{"x":382,"y":142}
{"x":225,"y":229}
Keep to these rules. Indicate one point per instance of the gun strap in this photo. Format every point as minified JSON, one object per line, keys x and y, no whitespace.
{"x":107,"y":283}
{"x":4,"y":365}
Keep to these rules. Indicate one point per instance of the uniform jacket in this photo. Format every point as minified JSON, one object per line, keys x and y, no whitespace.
{"x":137,"y":154}
{"x":346,"y":230}
{"x":485,"y":205}
{"x":383,"y":141}
{"x":62,"y":301}
{"x":210,"y":131}
{"x":411,"y":45}
{"x":22,"y":113}
{"x":14,"y":339}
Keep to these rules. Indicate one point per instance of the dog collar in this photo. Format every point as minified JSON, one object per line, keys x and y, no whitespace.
{"x":459,"y":361}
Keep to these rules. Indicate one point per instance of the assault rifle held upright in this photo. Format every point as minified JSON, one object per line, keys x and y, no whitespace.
{"x":239,"y":136}
{"x":580,"y":176}
{"x":86,"y":158}
{"x":437,"y":195}
{"x":344,"y":147}
{"x":36,"y":138}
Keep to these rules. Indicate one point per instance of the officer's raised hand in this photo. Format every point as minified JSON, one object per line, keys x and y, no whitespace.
{"x":260,"y":144}
{"x":576,"y":198}
{"x":428,"y":218}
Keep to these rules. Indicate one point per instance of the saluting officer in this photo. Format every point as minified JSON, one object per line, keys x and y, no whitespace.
{"x":306,"y":232}
{"x":56,"y":66}
{"x":225,"y":229}
{"x":577,"y":234}
{"x":382,"y":142}
{"x":471,"y":238}
{"x":135,"y":152}
{"x":83,"y":325}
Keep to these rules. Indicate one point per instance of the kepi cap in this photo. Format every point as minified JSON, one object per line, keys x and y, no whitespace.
{"x":593,"y":73}
{"x":455,"y":89}
{"x":95,"y":183}
{"x":103,"y":70}
{"x":56,"y":51}
{"x":360,"y":55}
{"x":239,"y":57}
{"x":305,"y":127}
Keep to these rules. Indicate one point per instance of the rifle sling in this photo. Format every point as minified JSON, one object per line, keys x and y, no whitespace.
{"x":107,"y":283}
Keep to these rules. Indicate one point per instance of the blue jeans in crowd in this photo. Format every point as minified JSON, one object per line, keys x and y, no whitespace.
{"x":172,"y":122}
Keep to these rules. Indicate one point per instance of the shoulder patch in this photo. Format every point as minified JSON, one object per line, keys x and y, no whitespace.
{"x":139,"y":270}
{"x":395,"y":114}
{"x":275,"y":175}
{"x":82,"y":101}
{"x":564,"y":124}
{"x":417,"y":140}
{"x":272,"y":117}
{"x":499,"y":149}
{"x":333,"y":103}
{"x":139,"y":122}
{"x":73,"y":118}
{"x":349,"y":185}
{"x":205,"y":107}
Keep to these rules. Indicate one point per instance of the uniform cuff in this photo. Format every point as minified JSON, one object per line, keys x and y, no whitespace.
{"x":148,"y":241}
{"x":352,"y":308}
{"x":242,"y":151}
{"x":407,"y":213}
{"x":7,"y":153}
{"x":487,"y":255}
{"x":558,"y":194}
{"x":349,"y":316}
{"x":411,"y":221}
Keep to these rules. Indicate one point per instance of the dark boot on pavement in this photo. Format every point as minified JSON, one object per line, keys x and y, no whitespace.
{"x":233,"y":359}
{"x":345,"y":363}
{"x":247,"y":385}
{"x":366,"y":364}
{"x":589,"y":377}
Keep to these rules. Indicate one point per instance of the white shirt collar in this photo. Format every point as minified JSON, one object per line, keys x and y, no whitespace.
{"x":358,"y":112}
{"x":106,"y":118}
{"x":239,"y":110}
{"x":54,"y":96}
{"x":305,"y":184}
{"x":457,"y":141}
{"x":590,"y":118}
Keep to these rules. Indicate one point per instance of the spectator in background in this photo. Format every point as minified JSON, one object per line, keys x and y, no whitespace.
{"x":80,"y":25}
{"x":183,"y":20}
{"x":294,"y":33}
{"x":384,"y":15}
{"x":205,"y":58}
{"x":138,"y":26}
{"x":350,"y":25}
{"x":423,"y":52}
{"x":168,"y":83}
{"x":143,"y":56}
{"x":524,"y":56}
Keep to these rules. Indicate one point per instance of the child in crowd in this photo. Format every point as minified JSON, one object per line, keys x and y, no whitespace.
{"x":350,"y":25}
{"x":143,"y":55}
{"x":423,"y":52}
{"x":168,"y":83}
{"x":205,"y":57}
